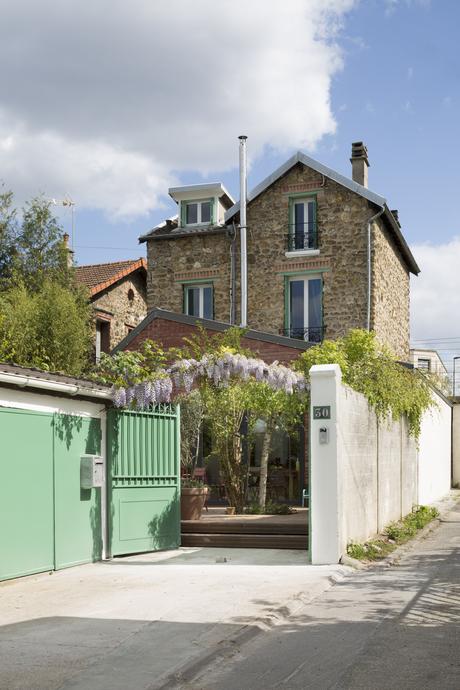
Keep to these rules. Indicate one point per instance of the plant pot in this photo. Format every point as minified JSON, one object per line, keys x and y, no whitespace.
{"x":230,"y":510}
{"x":192,"y":502}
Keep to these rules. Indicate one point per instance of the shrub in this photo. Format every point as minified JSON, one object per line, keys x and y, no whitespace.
{"x":391,"y":389}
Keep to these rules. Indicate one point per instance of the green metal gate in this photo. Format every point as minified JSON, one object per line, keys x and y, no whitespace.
{"x":47,"y":522}
{"x":143,"y":484}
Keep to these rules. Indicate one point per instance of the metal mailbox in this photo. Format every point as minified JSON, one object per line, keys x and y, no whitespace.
{"x":91,"y":471}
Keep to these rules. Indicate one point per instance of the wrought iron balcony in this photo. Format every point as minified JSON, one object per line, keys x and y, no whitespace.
{"x":315,"y":334}
{"x":302,"y":236}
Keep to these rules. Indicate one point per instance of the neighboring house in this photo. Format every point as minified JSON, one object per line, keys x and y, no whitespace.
{"x":119,"y":297}
{"x":430,"y":362}
{"x":325,"y":254}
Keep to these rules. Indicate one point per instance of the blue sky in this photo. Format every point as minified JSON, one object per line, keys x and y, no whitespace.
{"x":113,"y":103}
{"x":398,"y":91}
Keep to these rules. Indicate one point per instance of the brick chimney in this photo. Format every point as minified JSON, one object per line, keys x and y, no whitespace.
{"x":359,"y":163}
{"x":70,"y":252}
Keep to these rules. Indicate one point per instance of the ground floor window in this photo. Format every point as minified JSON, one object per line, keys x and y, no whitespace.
{"x":305,"y":318}
{"x":198,"y":301}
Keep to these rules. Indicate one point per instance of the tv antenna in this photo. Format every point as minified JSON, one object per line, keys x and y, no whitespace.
{"x":67,"y":202}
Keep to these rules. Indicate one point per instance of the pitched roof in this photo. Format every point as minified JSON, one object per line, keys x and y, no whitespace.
{"x":98,"y":277}
{"x":169,"y":229}
{"x":209,"y":324}
{"x":30,"y":377}
{"x":347,"y":182}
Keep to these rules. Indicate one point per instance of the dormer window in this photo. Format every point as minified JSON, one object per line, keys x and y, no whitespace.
{"x":197,"y":212}
{"x":202,"y":204}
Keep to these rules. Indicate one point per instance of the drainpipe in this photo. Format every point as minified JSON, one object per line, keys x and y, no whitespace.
{"x":369,"y":265}
{"x":243,"y":203}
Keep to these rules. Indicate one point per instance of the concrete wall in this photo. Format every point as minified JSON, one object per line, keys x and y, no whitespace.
{"x":435,"y":458}
{"x":370,"y":472}
{"x":456,"y":443}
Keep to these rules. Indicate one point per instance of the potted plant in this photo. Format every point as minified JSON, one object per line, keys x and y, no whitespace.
{"x":192,"y":499}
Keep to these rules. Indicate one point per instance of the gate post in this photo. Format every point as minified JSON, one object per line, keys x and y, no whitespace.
{"x":325,"y":497}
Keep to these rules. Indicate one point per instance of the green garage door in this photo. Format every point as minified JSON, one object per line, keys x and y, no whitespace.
{"x":78,"y":536}
{"x":26,"y":493}
{"x":47,"y":522}
{"x":143,"y":463}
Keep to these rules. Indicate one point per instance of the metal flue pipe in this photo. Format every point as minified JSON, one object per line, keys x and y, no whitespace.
{"x":243,"y":243}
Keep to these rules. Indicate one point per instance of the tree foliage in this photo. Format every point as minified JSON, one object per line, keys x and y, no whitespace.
{"x":369,"y":368}
{"x":45,"y":317}
{"x":32,"y":248}
{"x":49,"y":329}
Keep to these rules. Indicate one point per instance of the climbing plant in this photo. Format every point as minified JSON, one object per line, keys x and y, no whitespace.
{"x":369,"y":368}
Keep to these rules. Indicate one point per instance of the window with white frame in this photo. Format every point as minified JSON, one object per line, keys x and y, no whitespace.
{"x":198,"y":301}
{"x":197,"y":212}
{"x":305,"y":318}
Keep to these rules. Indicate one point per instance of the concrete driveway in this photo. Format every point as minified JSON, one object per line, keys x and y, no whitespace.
{"x":136,"y":622}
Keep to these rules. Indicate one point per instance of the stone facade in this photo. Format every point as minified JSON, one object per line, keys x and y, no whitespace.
{"x":390,"y":301}
{"x":342,"y":218}
{"x":123,"y":305}
{"x":173,"y":263}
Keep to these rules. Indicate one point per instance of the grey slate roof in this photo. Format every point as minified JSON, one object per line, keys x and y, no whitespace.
{"x":299,"y":157}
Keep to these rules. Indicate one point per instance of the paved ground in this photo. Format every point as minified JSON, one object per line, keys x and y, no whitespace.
{"x":394,"y":627}
{"x":131,"y":623}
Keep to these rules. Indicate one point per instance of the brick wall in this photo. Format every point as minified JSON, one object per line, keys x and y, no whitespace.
{"x":171,"y":334}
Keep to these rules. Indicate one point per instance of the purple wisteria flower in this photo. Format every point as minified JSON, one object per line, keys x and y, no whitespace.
{"x":218,"y":369}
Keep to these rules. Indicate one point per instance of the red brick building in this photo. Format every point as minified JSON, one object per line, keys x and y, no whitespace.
{"x":169,"y":329}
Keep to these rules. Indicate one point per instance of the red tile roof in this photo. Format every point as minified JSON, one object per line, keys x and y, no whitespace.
{"x":98,"y":277}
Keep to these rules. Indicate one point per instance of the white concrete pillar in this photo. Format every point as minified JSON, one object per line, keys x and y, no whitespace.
{"x":325,"y":500}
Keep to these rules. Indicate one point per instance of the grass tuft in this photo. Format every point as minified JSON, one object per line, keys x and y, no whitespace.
{"x":394,"y":534}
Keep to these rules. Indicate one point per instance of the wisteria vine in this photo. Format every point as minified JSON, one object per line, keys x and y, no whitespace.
{"x":219,"y":369}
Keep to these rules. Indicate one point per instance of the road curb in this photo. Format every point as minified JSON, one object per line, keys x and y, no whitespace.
{"x":227,"y":646}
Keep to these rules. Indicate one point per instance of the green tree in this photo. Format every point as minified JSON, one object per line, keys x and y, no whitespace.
{"x":8,"y":232}
{"x":48,"y":329}
{"x":278,"y":410}
{"x":41,"y":253}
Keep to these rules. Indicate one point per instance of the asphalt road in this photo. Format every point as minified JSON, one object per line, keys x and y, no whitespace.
{"x":388,"y":627}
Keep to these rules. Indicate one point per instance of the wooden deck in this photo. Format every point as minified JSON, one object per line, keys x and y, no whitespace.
{"x":247,"y":531}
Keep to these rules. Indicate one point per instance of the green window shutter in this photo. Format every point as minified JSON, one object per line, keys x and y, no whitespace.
{"x":183,"y":213}
{"x":184,"y":299}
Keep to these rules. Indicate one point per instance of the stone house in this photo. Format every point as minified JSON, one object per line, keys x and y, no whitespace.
{"x":118,"y":293}
{"x":325,"y":254}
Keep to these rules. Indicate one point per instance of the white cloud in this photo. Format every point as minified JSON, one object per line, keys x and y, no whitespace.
{"x":106,"y":100}
{"x":435,"y":294}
